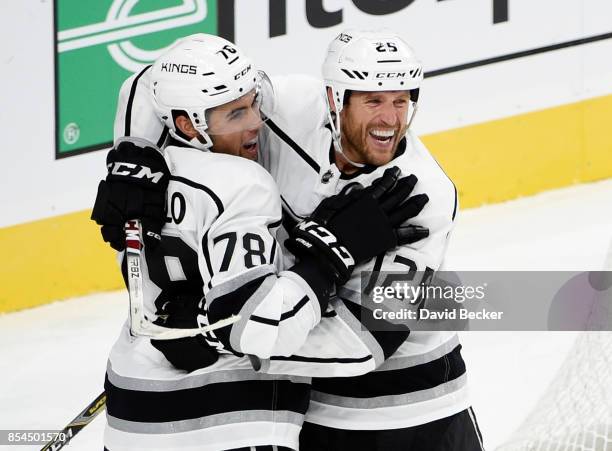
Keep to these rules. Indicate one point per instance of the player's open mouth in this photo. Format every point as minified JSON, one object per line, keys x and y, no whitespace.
{"x":250,"y":146}
{"x":382,"y":136}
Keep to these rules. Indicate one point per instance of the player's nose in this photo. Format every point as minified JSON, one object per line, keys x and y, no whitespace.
{"x":388,"y":114}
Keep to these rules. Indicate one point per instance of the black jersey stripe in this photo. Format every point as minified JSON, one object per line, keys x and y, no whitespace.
{"x":207,"y":255}
{"x":128,"y":111}
{"x":375,"y":273}
{"x":163,"y":136}
{"x":456,"y":196}
{"x":272,"y":252}
{"x":396,"y":382}
{"x":301,"y":358}
{"x":295,"y":309}
{"x":262,"y":320}
{"x":274,"y":225}
{"x":203,"y":401}
{"x":206,"y":189}
{"x":284,"y":316}
{"x":291,"y":143}
{"x":289,"y":222}
{"x":287,"y":208}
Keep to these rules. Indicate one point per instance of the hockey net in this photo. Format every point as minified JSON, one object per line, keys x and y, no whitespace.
{"x":575,"y":413}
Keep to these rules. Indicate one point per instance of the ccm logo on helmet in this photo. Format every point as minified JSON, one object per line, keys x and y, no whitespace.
{"x":388,"y":75}
{"x":181,"y":68}
{"x":243,"y":72}
{"x":134,"y":170}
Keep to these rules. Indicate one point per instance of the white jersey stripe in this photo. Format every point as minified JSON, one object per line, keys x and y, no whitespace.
{"x":400,"y":361}
{"x":210,"y":375}
{"x":388,"y":417}
{"x":205,"y":422}
{"x":238,"y":281}
{"x":247,"y":310}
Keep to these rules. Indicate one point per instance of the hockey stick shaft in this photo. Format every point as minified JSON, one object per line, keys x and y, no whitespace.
{"x":78,"y":423}
{"x":133,"y":246}
{"x":139,"y":325}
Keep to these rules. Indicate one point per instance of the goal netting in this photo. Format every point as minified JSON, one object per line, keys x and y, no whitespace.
{"x":575,"y":412}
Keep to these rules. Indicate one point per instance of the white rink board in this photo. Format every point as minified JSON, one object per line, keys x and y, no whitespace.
{"x":444,"y":33}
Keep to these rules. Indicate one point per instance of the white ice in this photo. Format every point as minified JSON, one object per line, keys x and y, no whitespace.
{"x":52,"y":358}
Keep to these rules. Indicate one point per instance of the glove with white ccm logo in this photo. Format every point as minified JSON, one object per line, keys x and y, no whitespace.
{"x":135,"y":188}
{"x":358,"y":224}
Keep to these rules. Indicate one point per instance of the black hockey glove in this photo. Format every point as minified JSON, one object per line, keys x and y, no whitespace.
{"x":355,"y":226}
{"x":189,"y":353}
{"x":135,"y":188}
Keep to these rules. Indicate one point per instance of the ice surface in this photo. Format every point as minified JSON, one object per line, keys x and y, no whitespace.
{"x":53,"y":358}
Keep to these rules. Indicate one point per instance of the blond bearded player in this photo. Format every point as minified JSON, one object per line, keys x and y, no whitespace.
{"x":349,"y":129}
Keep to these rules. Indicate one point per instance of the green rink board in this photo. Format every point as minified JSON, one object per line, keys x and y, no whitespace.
{"x":87,"y":74}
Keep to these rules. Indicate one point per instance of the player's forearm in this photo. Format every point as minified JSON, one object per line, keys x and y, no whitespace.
{"x":277,"y":312}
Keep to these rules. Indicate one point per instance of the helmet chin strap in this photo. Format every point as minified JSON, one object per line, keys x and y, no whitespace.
{"x":336,"y":138}
{"x":415,"y":107}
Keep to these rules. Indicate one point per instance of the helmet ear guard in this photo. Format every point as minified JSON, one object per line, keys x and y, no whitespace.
{"x":368,"y":61}
{"x":203,"y":141}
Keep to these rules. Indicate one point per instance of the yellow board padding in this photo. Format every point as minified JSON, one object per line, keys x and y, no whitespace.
{"x":64,"y":256}
{"x":529,"y":153}
{"x":54,"y":258}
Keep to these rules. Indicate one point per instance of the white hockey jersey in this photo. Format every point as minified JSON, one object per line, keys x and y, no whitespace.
{"x":208,"y":247}
{"x":425,"y":378}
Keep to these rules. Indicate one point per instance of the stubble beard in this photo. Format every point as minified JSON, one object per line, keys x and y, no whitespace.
{"x":356,"y":142}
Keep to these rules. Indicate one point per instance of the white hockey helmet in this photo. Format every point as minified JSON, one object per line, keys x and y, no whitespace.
{"x":362,"y":60}
{"x":198,"y":73}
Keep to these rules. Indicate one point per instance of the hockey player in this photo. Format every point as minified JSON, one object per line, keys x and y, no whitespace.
{"x":220,"y":241}
{"x":320,"y":138}
{"x":351,"y":133}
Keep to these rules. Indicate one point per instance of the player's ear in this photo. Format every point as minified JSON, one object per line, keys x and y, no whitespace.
{"x":185,"y":126}
{"x":330,"y":99}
